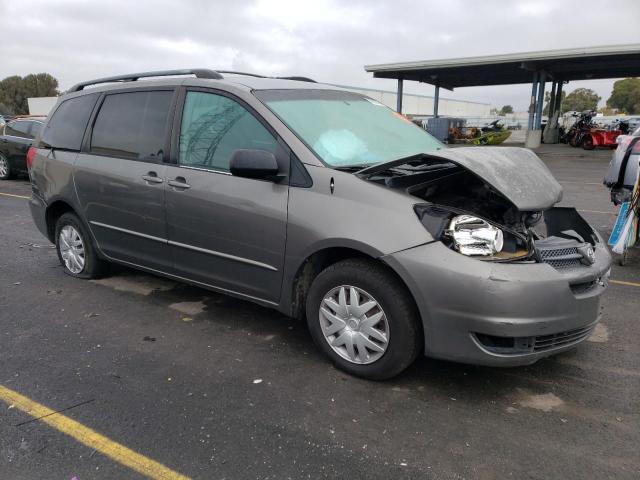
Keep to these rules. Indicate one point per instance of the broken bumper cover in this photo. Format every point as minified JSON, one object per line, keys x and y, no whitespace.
{"x":500,"y":314}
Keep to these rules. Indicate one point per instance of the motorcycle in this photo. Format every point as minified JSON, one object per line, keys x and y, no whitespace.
{"x":580,"y":128}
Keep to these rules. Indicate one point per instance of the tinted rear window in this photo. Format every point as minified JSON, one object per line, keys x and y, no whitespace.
{"x":132,"y":125}
{"x":68,"y":123}
{"x":19,"y":128}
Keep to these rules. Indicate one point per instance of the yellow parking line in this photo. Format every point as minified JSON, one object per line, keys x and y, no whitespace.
{"x":89,"y":438}
{"x":13,"y":195}
{"x":622,"y":282}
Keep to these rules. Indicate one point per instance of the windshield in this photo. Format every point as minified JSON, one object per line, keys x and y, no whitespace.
{"x":346,"y":129}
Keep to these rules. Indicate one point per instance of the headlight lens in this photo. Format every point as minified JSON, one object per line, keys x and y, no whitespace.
{"x":474,"y":236}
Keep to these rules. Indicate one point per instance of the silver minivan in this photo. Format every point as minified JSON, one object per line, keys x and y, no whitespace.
{"x":323,"y":204}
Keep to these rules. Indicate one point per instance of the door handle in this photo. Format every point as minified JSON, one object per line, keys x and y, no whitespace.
{"x":180,"y":183}
{"x":152,"y":177}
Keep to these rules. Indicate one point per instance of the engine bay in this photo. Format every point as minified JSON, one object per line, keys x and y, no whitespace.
{"x":451,"y":192}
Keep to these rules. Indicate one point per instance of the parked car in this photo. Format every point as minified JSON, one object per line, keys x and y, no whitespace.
{"x":623,"y":168}
{"x":325,"y":204}
{"x":15,"y":139}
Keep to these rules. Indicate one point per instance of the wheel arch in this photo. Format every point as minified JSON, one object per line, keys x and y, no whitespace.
{"x":53,"y":212}
{"x":315,"y":262}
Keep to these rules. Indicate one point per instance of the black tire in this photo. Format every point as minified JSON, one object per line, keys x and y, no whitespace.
{"x":405,"y":339}
{"x":94,"y":267}
{"x":587,"y":143}
{"x":8,"y":173}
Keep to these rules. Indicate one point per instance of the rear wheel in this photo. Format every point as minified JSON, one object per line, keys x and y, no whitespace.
{"x":5,"y":168}
{"x":75,"y":249}
{"x":363,"y":319}
{"x":587,"y":143}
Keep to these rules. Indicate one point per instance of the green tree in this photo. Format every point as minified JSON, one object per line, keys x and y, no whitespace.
{"x":15,"y":90}
{"x":626,"y":95}
{"x":506,"y":109}
{"x":5,"y":110}
{"x":580,"y":99}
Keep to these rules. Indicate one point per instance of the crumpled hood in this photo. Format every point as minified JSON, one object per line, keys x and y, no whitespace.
{"x":517,"y":173}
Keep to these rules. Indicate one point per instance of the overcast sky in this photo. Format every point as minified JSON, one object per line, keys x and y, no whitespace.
{"x":327,"y":40}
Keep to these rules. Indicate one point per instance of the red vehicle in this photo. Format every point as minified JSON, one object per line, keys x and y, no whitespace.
{"x":603,"y":137}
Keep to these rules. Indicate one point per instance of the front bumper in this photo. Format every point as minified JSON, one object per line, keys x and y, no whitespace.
{"x":465,"y":301}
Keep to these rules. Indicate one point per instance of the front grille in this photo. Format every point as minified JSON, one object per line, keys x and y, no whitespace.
{"x":560,"y":253}
{"x":562,"y":257}
{"x":545,"y":342}
{"x":540,"y":343}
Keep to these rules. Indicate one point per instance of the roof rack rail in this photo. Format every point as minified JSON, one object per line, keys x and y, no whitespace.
{"x":241,"y":73}
{"x":132,"y":77}
{"x":298,"y":79}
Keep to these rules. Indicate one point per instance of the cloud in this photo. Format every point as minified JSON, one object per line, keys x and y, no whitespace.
{"x":328,"y":40}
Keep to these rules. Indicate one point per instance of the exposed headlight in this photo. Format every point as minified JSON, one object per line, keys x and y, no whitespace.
{"x":474,"y":236}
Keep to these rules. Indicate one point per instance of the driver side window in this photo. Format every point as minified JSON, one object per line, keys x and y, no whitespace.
{"x":213,"y":127}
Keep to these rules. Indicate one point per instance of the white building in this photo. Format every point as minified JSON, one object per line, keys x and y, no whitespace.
{"x":41,"y":105}
{"x":422,"y":105}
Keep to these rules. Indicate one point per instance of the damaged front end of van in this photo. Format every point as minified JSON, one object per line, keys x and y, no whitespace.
{"x":510,"y":277}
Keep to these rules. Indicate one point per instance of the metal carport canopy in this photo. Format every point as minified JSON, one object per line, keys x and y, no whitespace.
{"x":591,"y":63}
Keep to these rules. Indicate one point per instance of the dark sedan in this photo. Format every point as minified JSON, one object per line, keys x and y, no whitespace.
{"x":15,"y":139}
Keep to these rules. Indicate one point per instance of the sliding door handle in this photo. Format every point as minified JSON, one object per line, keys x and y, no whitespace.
{"x":179,"y":183}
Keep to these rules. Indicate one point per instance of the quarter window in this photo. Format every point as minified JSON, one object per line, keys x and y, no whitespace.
{"x":132,"y":125}
{"x":214,"y":126}
{"x":66,"y":126}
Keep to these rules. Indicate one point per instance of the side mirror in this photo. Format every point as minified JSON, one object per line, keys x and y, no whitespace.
{"x":253,"y":164}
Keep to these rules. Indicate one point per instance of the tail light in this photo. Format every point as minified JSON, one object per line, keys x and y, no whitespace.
{"x":30,"y":154}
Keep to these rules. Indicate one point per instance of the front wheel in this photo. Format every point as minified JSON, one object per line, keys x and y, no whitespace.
{"x":5,"y":168}
{"x":363,"y":319}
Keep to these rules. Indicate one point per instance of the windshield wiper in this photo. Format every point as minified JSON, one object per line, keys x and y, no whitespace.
{"x":353,"y":168}
{"x":380,"y":167}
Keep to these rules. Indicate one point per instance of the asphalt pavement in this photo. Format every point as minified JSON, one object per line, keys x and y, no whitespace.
{"x":211,"y":387}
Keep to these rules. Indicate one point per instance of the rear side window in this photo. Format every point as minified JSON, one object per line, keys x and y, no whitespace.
{"x":18,"y":128}
{"x":66,"y":127}
{"x":213,"y":127}
{"x":132,"y":125}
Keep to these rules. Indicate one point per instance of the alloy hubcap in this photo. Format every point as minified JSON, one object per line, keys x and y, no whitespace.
{"x":354,"y":324}
{"x":71,"y":249}
{"x":4,"y":167}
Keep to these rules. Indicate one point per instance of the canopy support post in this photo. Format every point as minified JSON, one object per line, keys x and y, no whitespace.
{"x":399,"y":96}
{"x":532,"y":102}
{"x":540,"y":100}
{"x":436,"y":101}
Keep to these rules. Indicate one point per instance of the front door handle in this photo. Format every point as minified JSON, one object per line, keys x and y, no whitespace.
{"x":180,"y":183}
{"x":152,"y":177}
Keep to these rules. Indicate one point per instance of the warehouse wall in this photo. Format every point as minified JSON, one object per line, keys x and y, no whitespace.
{"x":423,"y":105}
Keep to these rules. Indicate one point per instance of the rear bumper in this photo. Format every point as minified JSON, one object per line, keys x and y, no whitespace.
{"x":38,"y":213}
{"x":464,"y":302}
